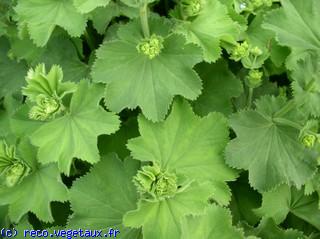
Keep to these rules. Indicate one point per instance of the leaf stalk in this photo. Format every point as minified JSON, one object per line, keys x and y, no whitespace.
{"x":144,"y":20}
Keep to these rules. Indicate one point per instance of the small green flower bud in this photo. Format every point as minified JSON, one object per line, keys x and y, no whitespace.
{"x":256,"y":51}
{"x":254,"y":78}
{"x":240,"y":51}
{"x":151,"y":47}
{"x":309,"y":140}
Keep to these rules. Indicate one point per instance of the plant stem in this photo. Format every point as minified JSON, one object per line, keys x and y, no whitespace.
{"x":89,"y":40}
{"x":249,"y":102}
{"x":285,"y":109}
{"x":144,"y":20}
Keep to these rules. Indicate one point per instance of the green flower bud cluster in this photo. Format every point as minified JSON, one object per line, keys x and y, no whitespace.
{"x":151,"y":47}
{"x":308,"y":134}
{"x":240,"y":51}
{"x":45,"y":108}
{"x":252,"y":57}
{"x":254,"y":78}
{"x":152,"y":181}
{"x":309,"y":140}
{"x":191,"y":8}
{"x":243,"y":50}
{"x":12,"y":169}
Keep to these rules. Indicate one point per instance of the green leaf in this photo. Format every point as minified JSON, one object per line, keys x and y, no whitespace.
{"x":215,"y":223}
{"x":244,"y":200}
{"x":6,"y":13}
{"x":313,"y":186}
{"x":185,"y":143}
{"x":269,"y":148}
{"x":283,"y":200}
{"x":219,"y":87}
{"x":189,"y":150}
{"x":36,"y":191}
{"x":133,"y":79}
{"x":4,"y":124}
{"x":162,"y":219}
{"x":23,"y":225}
{"x":101,"y":198}
{"x":75,"y":134}
{"x":21,"y":124}
{"x":296,"y":25}
{"x":85,"y":6}
{"x":42,"y":16}
{"x":102,"y":16}
{"x":59,"y":49}
{"x":4,"y":222}
{"x":117,"y":142}
{"x":306,"y":84}
{"x":12,"y":73}
{"x":212,"y":26}
{"x":267,"y":229}
{"x":10,"y":105}
{"x":62,"y":50}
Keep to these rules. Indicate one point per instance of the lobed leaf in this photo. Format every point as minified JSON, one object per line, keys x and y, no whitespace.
{"x":269,"y":149}
{"x":75,"y":134}
{"x":135,"y":80}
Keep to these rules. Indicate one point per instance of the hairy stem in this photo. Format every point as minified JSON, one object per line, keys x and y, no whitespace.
{"x":144,"y":20}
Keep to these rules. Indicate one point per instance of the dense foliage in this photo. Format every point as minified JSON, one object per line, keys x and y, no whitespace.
{"x":163,"y":119}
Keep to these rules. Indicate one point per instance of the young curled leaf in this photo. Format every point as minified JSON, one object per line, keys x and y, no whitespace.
{"x":12,"y":168}
{"x":46,"y":91}
{"x":155,"y":182}
{"x":41,"y":82}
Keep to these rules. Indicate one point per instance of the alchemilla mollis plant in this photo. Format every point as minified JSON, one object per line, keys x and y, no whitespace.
{"x":161,"y":119}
